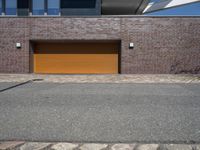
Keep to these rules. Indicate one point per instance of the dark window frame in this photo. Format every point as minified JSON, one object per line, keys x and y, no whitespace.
{"x":1,"y":12}
{"x":3,"y":6}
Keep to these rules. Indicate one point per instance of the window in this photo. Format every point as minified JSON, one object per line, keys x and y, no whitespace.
{"x":78,"y":3}
{"x":23,"y":7}
{"x":0,"y":7}
{"x":38,"y":7}
{"x":11,"y":7}
{"x":80,"y":7}
{"x":22,"y":4}
{"x":53,"y":7}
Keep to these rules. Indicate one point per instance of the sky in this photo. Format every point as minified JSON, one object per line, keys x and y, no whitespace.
{"x":191,"y":9}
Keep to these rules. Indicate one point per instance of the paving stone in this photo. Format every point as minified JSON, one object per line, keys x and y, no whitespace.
{"x":102,"y":78}
{"x":123,"y":147}
{"x":93,"y":146}
{"x":35,"y":146}
{"x":72,"y":146}
{"x":178,"y":147}
{"x":10,"y":145}
{"x":147,"y":147}
{"x":64,"y":146}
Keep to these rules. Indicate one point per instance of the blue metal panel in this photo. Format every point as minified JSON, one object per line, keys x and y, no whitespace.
{"x":38,"y":7}
{"x":53,"y":7}
{"x":11,"y":7}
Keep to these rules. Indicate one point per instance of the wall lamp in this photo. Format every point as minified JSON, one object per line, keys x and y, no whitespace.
{"x":131,"y":45}
{"x":18,"y":45}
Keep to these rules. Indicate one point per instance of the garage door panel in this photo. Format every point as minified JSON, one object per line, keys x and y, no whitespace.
{"x":76,"y":63}
{"x":77,"y":48}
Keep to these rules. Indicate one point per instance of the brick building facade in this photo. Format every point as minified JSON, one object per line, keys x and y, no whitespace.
{"x":162,"y":45}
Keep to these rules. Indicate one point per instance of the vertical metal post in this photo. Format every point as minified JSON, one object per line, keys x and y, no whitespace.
{"x":3,"y":7}
{"x":59,"y":7}
{"x":30,"y":7}
{"x":45,"y":7}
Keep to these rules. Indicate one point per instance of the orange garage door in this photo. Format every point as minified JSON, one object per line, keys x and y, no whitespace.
{"x":76,"y":58}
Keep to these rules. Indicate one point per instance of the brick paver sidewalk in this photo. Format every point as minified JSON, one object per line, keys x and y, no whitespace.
{"x":93,"y":146}
{"x":136,"y":78}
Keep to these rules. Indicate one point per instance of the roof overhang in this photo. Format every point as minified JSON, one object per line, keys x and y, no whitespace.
{"x":123,"y":7}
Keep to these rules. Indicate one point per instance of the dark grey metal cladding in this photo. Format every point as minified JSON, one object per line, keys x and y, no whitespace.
{"x":123,"y":7}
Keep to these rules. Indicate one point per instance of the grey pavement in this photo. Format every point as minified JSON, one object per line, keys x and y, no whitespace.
{"x":4,"y":86}
{"x":105,"y":113}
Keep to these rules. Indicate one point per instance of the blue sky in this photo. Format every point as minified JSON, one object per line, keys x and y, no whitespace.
{"x":191,"y":9}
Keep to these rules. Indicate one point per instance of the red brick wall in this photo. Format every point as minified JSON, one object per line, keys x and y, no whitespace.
{"x":162,"y":45}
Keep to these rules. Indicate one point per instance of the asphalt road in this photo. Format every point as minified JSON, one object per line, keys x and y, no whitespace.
{"x":101,"y":112}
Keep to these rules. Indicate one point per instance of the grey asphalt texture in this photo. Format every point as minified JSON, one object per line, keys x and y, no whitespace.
{"x":4,"y":86}
{"x":101,"y":112}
